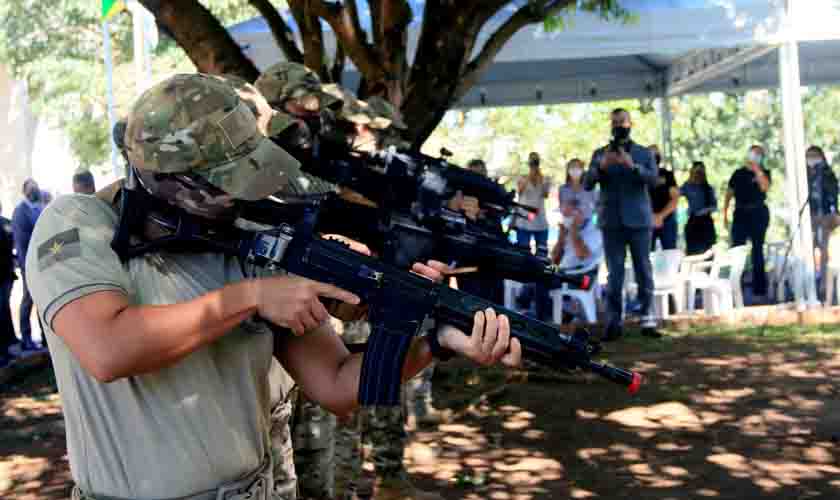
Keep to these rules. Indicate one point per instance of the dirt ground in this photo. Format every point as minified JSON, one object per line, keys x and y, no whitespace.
{"x":722,"y":415}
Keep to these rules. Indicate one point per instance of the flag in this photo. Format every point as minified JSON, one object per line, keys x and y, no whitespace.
{"x":111,"y":7}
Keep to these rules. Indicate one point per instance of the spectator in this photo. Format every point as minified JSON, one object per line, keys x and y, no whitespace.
{"x":822,"y":197}
{"x":23,"y":222}
{"x":573,"y":189}
{"x":749,"y":185}
{"x":664,"y":198}
{"x":533,"y":191}
{"x":83,"y":182}
{"x":580,"y":244}
{"x":700,"y":234}
{"x":626,"y":171}
{"x":7,"y":277}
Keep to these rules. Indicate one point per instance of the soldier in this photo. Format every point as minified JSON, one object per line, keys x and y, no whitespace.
{"x":293,"y":88}
{"x":163,"y":360}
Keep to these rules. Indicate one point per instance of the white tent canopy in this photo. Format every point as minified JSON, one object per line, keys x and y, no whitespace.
{"x":593,"y":59}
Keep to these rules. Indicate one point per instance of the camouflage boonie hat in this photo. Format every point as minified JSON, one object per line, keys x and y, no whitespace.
{"x":198,"y":124}
{"x":289,"y":80}
{"x":387,"y":111}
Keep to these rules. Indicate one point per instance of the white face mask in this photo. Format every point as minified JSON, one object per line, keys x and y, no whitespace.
{"x":755,"y":157}
{"x":813,"y":161}
{"x":575,"y":173}
{"x":568,"y":222}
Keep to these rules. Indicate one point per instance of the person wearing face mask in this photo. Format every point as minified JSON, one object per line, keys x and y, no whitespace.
{"x":580,"y":244}
{"x":822,"y":198}
{"x":625,"y":171}
{"x":700,"y":234}
{"x":533,"y":191}
{"x":664,"y":198}
{"x":749,"y":185}
{"x":573,"y":189}
{"x":23,"y":223}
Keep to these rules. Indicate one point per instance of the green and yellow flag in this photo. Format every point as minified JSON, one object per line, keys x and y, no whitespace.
{"x":111,"y":7}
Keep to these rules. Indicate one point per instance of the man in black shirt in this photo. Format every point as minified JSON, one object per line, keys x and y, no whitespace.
{"x":749,"y":185}
{"x":663,"y":199}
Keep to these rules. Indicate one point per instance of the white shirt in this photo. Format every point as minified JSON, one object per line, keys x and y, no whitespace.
{"x":533,"y":196}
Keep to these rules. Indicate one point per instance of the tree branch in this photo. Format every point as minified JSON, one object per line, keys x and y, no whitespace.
{"x":279,"y":29}
{"x":339,"y":60}
{"x":529,"y":14}
{"x":306,"y":15}
{"x":350,"y":36}
{"x":207,"y":43}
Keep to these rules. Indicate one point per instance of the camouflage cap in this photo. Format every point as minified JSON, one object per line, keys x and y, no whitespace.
{"x":198,"y":124}
{"x":271,"y":121}
{"x":289,"y":80}
{"x":352,"y":109}
{"x":387,"y":111}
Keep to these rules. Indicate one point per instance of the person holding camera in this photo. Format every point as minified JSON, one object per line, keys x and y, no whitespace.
{"x":626,"y":171}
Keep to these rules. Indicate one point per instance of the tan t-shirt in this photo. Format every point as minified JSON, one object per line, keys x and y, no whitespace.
{"x":179,"y":431}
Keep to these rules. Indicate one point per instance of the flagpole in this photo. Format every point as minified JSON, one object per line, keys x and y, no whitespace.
{"x":109,"y":90}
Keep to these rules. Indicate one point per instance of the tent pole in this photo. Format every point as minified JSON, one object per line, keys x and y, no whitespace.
{"x":794,"y":141}
{"x":109,"y":90}
{"x":666,"y":121}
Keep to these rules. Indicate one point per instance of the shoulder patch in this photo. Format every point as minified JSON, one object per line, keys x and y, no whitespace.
{"x":61,"y":247}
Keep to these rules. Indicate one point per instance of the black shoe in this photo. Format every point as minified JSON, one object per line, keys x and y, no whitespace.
{"x":614,"y":332}
{"x":651,"y":332}
{"x":6,"y":360}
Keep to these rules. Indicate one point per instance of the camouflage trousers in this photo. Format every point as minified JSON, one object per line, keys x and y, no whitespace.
{"x":285,"y":479}
{"x":340,"y":463}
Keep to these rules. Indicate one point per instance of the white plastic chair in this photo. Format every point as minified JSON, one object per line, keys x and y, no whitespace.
{"x":512,"y":289}
{"x":832,"y":272}
{"x":774,"y":262}
{"x":721,"y":294}
{"x":667,"y":281}
{"x":586,"y":298}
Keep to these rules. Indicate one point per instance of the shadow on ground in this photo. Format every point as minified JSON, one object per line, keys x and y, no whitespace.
{"x":722,"y":415}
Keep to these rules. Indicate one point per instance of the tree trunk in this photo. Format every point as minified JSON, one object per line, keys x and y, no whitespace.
{"x":206,"y":42}
{"x":442,"y":72}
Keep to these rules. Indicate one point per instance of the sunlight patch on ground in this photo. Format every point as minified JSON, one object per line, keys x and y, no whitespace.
{"x":671,"y":415}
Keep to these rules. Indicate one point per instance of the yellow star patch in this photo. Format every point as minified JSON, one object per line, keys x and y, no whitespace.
{"x":57,"y":247}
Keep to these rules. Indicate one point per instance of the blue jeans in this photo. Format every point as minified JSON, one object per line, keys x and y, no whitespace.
{"x":523,"y":239}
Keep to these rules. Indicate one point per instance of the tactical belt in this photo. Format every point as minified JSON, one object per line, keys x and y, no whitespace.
{"x":256,"y":485}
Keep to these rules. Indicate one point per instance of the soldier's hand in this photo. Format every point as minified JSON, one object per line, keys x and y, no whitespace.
{"x":433,"y":269}
{"x":470,"y":207}
{"x":489,"y":343}
{"x":293,"y":302}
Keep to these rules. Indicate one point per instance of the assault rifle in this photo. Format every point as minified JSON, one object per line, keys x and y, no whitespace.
{"x":399,"y":302}
{"x":411,"y":221}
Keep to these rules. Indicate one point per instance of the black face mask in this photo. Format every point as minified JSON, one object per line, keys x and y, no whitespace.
{"x":34,"y":196}
{"x":621,"y":133}
{"x":658,"y":159}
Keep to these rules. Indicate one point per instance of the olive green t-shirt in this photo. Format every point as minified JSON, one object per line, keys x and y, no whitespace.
{"x":179,"y":431}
